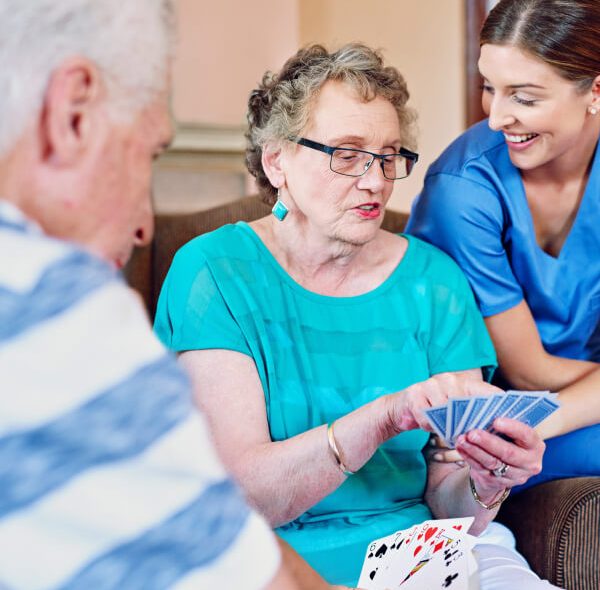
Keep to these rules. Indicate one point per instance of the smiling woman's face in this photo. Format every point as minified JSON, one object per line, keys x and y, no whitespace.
{"x":542,"y":115}
{"x":343,"y":208}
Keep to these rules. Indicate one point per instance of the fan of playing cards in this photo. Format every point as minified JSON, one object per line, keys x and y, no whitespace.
{"x":461,"y":414}
{"x":433,"y":554}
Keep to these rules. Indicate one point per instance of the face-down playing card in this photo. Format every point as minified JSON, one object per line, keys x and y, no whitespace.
{"x":528,"y":407}
{"x":456,"y":411}
{"x":538,"y":411}
{"x":437,"y":417}
{"x":480,"y":408}
{"x":503,"y":404}
{"x":459,"y":415}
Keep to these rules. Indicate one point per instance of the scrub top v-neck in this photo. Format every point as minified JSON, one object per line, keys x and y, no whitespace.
{"x":473,"y":206}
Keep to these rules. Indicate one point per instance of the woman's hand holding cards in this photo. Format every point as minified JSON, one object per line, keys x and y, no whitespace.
{"x":501,"y":451}
{"x":497,"y":463}
{"x":406,"y":409}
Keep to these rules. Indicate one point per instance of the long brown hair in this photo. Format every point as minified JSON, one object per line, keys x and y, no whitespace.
{"x":563,"y":33}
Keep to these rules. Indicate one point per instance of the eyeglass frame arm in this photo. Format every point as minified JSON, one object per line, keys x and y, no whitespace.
{"x":315,"y":145}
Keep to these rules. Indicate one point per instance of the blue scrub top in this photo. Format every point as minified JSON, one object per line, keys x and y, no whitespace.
{"x":473,"y":206}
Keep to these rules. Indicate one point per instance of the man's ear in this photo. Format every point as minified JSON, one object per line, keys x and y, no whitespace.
{"x":71,"y":105}
{"x":272,"y":163}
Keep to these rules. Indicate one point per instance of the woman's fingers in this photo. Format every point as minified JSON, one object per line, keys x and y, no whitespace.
{"x":522,"y":435}
{"x":487,"y":453}
{"x":519,"y":445}
{"x":409,"y":405}
{"x":447,"y":456}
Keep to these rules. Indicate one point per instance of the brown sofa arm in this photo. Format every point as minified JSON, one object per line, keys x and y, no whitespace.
{"x":557,"y":526}
{"x":148,"y":267}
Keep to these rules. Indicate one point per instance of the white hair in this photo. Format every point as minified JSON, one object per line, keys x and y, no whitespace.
{"x":130,"y":41}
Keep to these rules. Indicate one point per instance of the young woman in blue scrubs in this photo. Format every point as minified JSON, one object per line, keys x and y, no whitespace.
{"x":516,"y":202}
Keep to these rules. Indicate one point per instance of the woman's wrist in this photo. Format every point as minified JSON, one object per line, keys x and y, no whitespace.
{"x":386,"y":419}
{"x":336,"y":452}
{"x":554,"y":425}
{"x":356,"y":436}
{"x":488,"y":498}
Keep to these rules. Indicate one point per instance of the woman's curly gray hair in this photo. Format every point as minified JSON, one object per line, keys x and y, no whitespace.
{"x":281,"y":106}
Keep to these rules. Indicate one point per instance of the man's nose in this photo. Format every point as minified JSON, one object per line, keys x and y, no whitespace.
{"x":145,"y":230}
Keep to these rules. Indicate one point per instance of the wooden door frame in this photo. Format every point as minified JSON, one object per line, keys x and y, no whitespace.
{"x":475,"y":13}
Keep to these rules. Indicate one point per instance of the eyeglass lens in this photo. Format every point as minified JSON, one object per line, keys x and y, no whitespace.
{"x":353,"y":163}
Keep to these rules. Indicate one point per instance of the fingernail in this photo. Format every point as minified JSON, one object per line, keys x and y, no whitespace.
{"x":460,"y":463}
{"x":474,"y":436}
{"x":437,"y":456}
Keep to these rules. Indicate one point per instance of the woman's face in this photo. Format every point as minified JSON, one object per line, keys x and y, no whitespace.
{"x":543,"y":116}
{"x":342,"y":208}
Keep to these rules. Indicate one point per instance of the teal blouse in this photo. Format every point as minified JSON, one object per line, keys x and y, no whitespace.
{"x":320,"y":357}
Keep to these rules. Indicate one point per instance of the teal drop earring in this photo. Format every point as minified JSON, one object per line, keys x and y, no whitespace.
{"x":279,"y":209}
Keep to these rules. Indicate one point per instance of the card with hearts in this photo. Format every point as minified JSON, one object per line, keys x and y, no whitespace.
{"x":413,"y":555}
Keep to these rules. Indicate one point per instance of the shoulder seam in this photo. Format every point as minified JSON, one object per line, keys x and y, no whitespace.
{"x":458,"y":176}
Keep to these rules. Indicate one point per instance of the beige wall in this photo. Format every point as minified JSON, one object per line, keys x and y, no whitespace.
{"x":225,"y":47}
{"x":424,"y":40}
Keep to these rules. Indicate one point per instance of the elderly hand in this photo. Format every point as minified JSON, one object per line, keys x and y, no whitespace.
{"x":405,"y":408}
{"x":513,"y":462}
{"x":437,"y":450}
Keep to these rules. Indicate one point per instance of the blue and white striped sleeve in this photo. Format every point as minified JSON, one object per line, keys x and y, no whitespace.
{"x":107,"y":475}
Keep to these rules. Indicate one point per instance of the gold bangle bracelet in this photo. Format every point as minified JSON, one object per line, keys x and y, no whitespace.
{"x":495,"y":503}
{"x":335,"y":451}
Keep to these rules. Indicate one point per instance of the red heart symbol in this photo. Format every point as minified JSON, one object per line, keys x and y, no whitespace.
{"x":417,"y":549}
{"x":430,"y":532}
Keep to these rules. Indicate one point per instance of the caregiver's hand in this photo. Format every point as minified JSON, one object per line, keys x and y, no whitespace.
{"x":496,"y":463}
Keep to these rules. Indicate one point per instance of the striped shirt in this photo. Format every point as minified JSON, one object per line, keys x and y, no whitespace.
{"x":107,"y":476}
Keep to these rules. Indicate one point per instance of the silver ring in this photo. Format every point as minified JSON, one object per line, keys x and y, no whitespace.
{"x":501,"y":470}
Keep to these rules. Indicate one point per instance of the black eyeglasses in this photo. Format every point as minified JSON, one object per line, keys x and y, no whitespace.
{"x":355,"y":162}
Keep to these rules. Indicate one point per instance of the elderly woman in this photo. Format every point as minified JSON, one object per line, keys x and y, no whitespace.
{"x":316,"y":339}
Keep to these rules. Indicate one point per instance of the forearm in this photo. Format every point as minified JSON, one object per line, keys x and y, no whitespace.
{"x":302,"y":576}
{"x":283,"y":580}
{"x":303,"y":469}
{"x":452,"y":498}
{"x":494,"y":463}
{"x":547,"y":372}
{"x":579,"y":406}
{"x":284,"y":479}
{"x":522,"y":357}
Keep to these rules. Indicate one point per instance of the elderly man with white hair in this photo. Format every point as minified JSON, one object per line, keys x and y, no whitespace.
{"x":107,"y":477}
